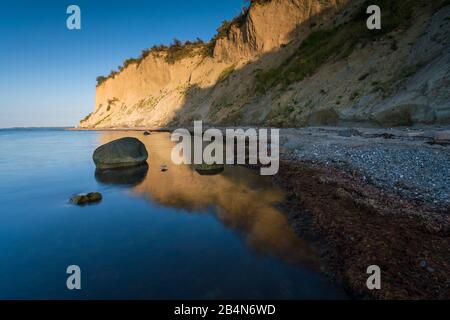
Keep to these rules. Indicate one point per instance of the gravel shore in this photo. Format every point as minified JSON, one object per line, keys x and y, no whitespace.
{"x":354,"y":225}
{"x":414,"y":163}
{"x":372,"y":197}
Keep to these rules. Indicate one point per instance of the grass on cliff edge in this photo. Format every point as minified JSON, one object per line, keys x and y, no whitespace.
{"x":179,"y":50}
{"x":339,"y":42}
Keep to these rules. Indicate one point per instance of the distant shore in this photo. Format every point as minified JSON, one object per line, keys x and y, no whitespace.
{"x":153,"y":129}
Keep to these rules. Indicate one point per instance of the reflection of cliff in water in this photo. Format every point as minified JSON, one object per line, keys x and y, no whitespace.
{"x":243,"y":200}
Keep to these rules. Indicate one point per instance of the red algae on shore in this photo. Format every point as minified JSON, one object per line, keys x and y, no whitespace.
{"x":356,"y":225}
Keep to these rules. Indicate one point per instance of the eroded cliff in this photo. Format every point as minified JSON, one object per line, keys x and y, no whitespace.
{"x":293,"y":63}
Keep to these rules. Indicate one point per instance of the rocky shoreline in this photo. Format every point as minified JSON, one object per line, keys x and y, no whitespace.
{"x":343,"y":193}
{"x":414,"y":163}
{"x":355,"y":225}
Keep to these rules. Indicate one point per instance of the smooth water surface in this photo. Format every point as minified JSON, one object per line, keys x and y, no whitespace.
{"x":155,"y":235}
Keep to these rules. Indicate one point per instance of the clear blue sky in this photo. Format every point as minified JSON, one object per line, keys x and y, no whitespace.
{"x":47,"y":72}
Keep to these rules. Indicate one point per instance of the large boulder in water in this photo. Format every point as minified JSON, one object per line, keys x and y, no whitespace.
{"x":125,"y":152}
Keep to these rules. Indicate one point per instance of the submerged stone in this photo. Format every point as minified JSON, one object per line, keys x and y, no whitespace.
{"x":125,"y":152}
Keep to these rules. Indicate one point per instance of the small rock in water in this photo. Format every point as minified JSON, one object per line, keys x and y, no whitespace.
{"x":91,"y":197}
{"x":164,"y":168}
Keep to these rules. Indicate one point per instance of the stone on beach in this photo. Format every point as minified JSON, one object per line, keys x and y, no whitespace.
{"x":442,"y":136}
{"x":349,"y":133}
{"x":120,"y":153}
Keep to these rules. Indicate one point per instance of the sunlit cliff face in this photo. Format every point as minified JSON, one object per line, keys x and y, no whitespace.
{"x":242,"y":199}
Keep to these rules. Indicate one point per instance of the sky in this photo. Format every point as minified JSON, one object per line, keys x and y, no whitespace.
{"x":48,"y":72}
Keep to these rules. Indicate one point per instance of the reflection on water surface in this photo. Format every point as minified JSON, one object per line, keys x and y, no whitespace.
{"x":243,"y":200}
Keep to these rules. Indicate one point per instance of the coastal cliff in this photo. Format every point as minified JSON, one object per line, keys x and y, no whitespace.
{"x":292,"y":63}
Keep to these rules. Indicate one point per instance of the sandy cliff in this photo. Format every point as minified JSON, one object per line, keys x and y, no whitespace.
{"x":294,"y":63}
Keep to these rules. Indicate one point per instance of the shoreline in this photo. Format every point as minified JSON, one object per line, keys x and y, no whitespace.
{"x":355,"y":225}
{"x":343,"y":194}
{"x":411,"y":161}
{"x":357,"y":216}
{"x":122,"y":129}
{"x":373,"y":197}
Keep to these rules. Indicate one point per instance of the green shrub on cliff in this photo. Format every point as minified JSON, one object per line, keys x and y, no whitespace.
{"x":130,"y":61}
{"x":324,"y":117}
{"x":100,"y":80}
{"x":267,"y":79}
{"x":338,"y":43}
{"x":179,"y":50}
{"x":87,"y":117}
{"x":175,"y":52}
{"x":225,"y":74}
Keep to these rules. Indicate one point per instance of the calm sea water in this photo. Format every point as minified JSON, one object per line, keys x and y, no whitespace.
{"x":156,"y":235}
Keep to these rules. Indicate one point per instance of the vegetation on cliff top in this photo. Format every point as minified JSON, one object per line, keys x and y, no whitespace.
{"x":176,"y":51}
{"x":179,"y":50}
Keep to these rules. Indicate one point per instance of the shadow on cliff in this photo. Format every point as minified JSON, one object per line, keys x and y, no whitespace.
{"x":233,"y":101}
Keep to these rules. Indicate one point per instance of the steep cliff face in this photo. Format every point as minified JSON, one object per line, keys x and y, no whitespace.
{"x":269,"y":26}
{"x":294,"y":63}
